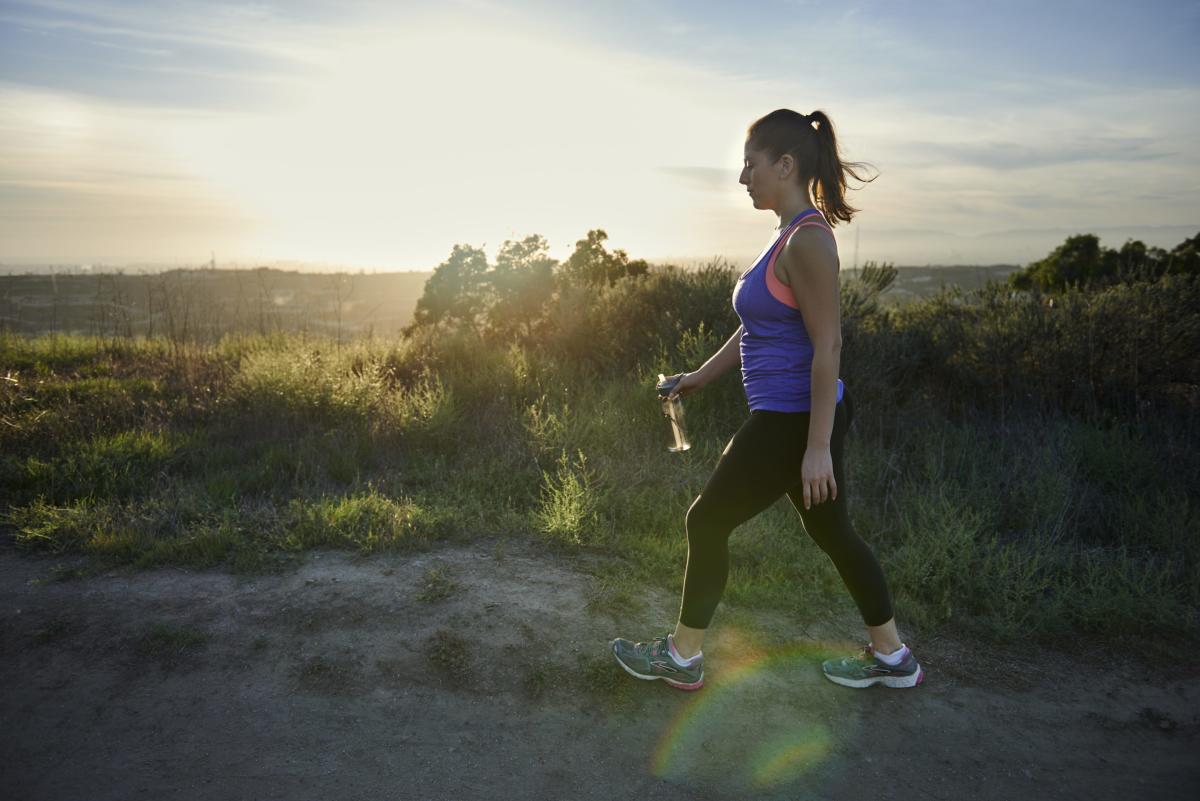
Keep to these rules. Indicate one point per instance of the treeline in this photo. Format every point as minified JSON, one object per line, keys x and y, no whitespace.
{"x":1122,"y":342}
{"x":1082,"y":263}
{"x":510,"y":297}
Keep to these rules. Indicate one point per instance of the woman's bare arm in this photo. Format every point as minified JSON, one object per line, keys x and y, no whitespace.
{"x":728,"y":357}
{"x":810,"y":261}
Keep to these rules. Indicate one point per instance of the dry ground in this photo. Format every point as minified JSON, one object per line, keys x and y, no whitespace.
{"x":484,"y":672}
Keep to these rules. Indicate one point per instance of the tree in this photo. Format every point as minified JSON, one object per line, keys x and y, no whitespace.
{"x":457,"y":291}
{"x":1081,"y":262}
{"x":521,"y":283}
{"x":1076,"y":262}
{"x":1184,"y":258}
{"x":592,"y":265}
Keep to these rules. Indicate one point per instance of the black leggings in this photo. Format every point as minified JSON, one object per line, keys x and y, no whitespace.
{"x":760,"y":463}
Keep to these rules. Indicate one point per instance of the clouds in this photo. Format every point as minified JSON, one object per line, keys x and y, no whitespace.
{"x":1003,"y":155}
{"x":165,"y":54}
{"x":385,"y":133}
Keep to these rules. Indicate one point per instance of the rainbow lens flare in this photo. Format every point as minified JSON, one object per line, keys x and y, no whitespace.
{"x":760,"y":723}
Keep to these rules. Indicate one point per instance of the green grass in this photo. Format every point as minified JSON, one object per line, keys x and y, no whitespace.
{"x":437,"y":584}
{"x":242,"y":454}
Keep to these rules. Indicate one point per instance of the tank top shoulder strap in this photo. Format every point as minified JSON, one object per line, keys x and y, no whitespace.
{"x":812,"y":218}
{"x":777,"y":289}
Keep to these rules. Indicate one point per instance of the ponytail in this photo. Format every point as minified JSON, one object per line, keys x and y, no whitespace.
{"x":811,"y":141}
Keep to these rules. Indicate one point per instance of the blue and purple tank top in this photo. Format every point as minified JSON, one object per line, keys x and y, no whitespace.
{"x":775,"y":347}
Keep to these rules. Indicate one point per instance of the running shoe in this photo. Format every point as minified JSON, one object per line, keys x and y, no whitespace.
{"x":653,"y":660}
{"x":865,"y":669}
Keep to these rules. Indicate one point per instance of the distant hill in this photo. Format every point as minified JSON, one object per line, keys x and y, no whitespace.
{"x":208,"y":302}
{"x":921,"y":282}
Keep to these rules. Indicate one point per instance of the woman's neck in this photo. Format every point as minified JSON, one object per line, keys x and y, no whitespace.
{"x":785,"y":217}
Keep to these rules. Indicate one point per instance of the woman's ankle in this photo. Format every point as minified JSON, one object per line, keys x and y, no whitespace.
{"x":687,"y":641}
{"x":887,"y":649}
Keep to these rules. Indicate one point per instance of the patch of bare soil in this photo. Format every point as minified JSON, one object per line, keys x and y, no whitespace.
{"x":484,"y":672}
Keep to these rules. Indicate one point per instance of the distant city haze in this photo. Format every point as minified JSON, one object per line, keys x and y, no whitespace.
{"x":360,"y":137}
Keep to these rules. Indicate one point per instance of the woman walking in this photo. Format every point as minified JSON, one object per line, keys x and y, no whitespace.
{"x":788,"y":346}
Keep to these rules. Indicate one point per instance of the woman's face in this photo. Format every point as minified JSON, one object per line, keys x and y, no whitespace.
{"x":760,"y":176}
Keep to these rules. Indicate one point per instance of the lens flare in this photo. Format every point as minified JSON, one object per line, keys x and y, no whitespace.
{"x":762,"y":722}
{"x":788,"y":760}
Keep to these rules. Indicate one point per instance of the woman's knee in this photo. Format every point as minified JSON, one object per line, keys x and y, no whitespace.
{"x":702,"y":522}
{"x":848,"y":551}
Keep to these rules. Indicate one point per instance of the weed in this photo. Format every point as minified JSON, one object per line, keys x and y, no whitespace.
{"x":567,"y":509}
{"x":437,"y":584}
{"x":449,"y":653}
{"x":70,"y":572}
{"x":536,"y":678}
{"x":168,"y":642}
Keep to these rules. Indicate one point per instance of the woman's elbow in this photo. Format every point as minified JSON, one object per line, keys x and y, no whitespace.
{"x":830,"y":347}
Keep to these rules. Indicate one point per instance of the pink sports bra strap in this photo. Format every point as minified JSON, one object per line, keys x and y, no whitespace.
{"x":777,"y":288}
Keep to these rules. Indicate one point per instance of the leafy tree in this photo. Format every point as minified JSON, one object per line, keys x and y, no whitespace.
{"x":521,"y":283}
{"x":1076,"y":262}
{"x":592,"y":265}
{"x":1184,"y":258}
{"x":457,"y":291}
{"x":1080,"y":262}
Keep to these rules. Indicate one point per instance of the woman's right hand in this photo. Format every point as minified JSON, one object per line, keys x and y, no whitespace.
{"x":688,"y":383}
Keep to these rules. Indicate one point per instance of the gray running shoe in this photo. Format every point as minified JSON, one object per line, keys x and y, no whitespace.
{"x":865,"y":669}
{"x":653,"y":660}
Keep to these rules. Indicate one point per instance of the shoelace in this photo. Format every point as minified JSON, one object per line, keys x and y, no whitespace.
{"x":655,"y":647}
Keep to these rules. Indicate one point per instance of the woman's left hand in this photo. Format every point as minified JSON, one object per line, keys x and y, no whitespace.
{"x":816,"y":473}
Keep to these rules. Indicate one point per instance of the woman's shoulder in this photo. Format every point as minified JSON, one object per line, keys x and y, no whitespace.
{"x":808,"y":247}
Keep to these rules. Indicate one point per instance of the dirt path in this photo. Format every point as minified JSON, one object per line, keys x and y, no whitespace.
{"x":483,"y":672}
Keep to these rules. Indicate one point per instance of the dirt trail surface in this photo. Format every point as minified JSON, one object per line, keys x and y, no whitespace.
{"x":484,"y":672}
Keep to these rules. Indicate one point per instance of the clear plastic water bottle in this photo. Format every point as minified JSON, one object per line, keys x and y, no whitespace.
{"x":673,"y":411}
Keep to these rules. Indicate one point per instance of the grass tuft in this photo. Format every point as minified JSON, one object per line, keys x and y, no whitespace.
{"x":437,"y":584}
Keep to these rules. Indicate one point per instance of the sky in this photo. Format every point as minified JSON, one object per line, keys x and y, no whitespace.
{"x":378,"y":135}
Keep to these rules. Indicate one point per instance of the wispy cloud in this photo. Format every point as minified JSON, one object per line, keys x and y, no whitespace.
{"x":354,"y":128}
{"x":185,"y":55}
{"x":1021,"y":155}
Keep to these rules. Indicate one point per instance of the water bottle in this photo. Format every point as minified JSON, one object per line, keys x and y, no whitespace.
{"x":673,"y":411}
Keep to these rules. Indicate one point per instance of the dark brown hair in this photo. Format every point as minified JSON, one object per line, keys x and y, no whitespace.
{"x":816,"y":153}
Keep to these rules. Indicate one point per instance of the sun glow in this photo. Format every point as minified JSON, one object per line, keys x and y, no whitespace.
{"x":422,"y":129}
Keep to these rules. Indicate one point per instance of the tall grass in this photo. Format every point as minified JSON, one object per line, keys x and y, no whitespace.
{"x":1003,"y":496}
